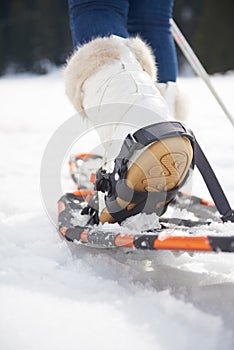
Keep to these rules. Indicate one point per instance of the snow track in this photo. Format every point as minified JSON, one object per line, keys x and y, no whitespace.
{"x":54,"y":295}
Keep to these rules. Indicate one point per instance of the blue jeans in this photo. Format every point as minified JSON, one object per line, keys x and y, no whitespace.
{"x":148,"y":18}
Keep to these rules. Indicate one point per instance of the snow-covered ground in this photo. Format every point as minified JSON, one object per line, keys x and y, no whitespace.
{"x":53,"y":296}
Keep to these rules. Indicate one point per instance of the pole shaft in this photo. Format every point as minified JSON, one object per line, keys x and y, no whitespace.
{"x":197,"y":66}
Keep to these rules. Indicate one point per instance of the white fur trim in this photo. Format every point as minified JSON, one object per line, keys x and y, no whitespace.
{"x":91,"y":56}
{"x":144,"y":56}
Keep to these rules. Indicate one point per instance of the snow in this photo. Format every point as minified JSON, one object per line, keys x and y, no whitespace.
{"x":54,"y":295}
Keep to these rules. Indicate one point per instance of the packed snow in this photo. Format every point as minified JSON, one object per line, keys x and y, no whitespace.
{"x":55,"y":295}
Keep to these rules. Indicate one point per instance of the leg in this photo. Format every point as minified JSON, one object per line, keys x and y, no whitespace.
{"x":150,"y":19}
{"x":90,"y":19}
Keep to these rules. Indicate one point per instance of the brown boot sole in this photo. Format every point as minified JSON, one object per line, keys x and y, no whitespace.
{"x":161,"y":167}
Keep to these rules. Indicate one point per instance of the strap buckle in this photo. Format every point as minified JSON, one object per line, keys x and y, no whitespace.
{"x":103,"y":181}
{"x":129,"y":146}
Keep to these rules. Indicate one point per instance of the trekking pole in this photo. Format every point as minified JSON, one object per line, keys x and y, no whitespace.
{"x":197,"y":66}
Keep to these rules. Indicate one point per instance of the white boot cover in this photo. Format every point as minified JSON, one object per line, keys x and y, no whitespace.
{"x":107,"y":80}
{"x":111,"y":81}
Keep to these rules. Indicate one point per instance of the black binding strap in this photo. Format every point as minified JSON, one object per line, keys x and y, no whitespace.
{"x":213,"y":184}
{"x":140,"y":139}
{"x":145,"y":136}
{"x":148,"y":202}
